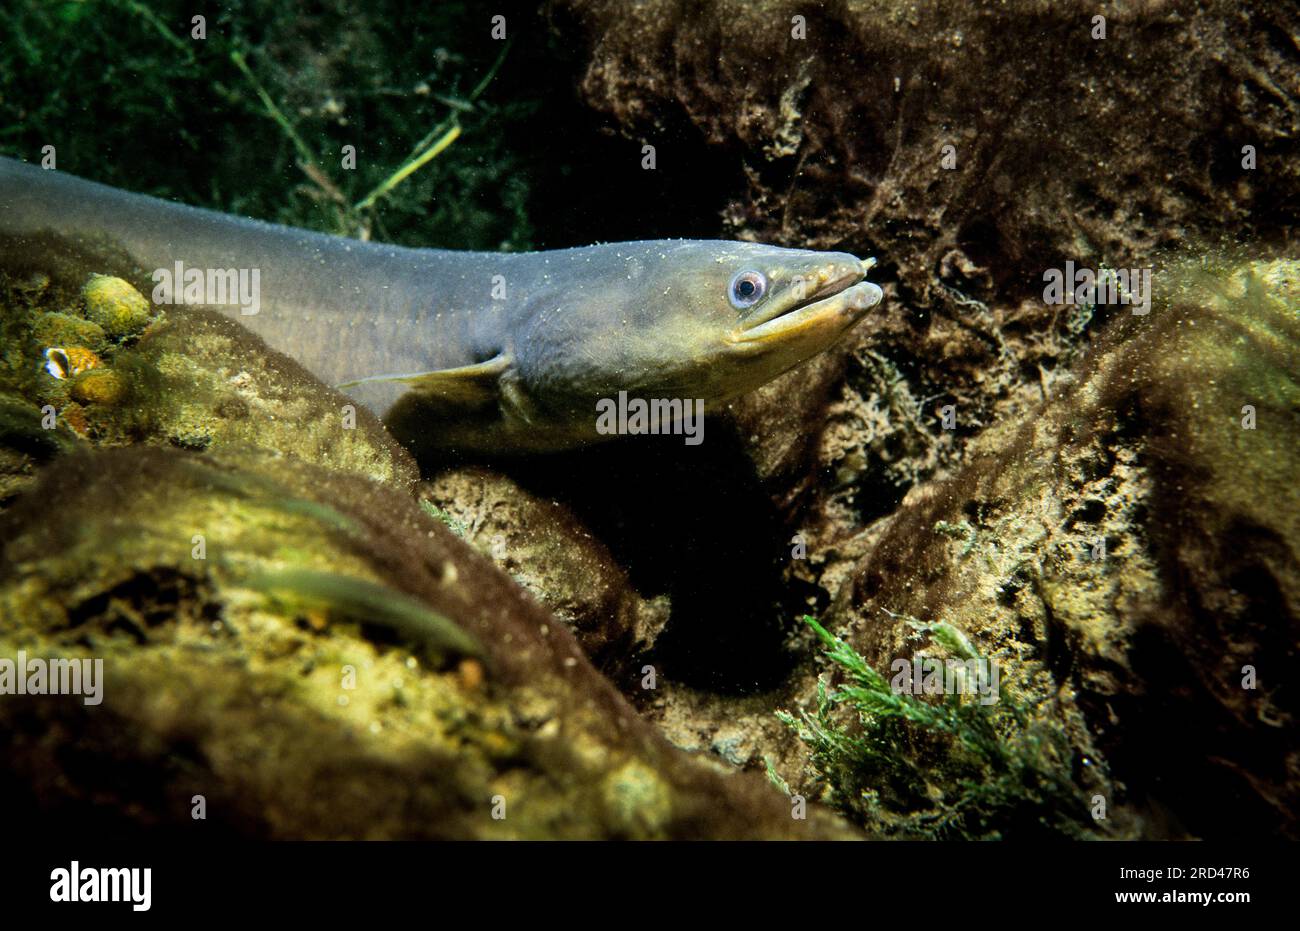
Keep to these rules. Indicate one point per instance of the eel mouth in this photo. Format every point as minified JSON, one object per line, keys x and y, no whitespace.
{"x":837,"y":303}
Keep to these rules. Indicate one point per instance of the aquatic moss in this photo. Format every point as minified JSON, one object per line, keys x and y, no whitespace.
{"x":906,"y":767}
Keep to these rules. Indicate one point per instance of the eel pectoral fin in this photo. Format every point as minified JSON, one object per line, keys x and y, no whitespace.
{"x":465,"y":386}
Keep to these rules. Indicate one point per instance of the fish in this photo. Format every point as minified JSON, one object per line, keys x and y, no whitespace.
{"x":472,"y":352}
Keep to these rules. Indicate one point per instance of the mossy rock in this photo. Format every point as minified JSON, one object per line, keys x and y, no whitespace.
{"x":116,"y":306}
{"x":61,"y":329}
{"x":190,"y":378}
{"x":1129,"y":554}
{"x":317,"y":657}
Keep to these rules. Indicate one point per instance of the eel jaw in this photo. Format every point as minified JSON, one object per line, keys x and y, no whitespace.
{"x":834,"y":307}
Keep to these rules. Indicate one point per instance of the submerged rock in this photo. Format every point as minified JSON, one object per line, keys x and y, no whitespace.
{"x":552,"y":554}
{"x":189,"y":378}
{"x":962,"y":148}
{"x":115,"y":306}
{"x":306,"y":653}
{"x":60,"y":329}
{"x":1129,"y":556}
{"x":100,"y":386}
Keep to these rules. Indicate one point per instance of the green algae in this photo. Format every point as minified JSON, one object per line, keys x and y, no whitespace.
{"x":991,"y":770}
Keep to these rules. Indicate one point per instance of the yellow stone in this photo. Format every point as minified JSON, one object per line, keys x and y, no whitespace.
{"x":115,"y":305}
{"x":99,"y":386}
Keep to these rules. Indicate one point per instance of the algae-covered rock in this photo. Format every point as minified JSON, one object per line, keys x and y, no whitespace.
{"x":954,"y":140}
{"x":190,"y":378}
{"x":60,"y":329}
{"x":98,"y":386}
{"x":115,"y":306}
{"x":308,"y":653}
{"x":204,"y":382}
{"x":552,"y":554}
{"x":1129,"y":555}
{"x":970,"y":148}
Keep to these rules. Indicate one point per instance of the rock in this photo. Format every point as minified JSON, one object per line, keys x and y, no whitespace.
{"x":206,"y":382}
{"x":60,"y":329}
{"x":193,"y":379}
{"x":114,"y":305}
{"x":838,"y":141}
{"x":315,"y":656}
{"x":98,"y":386}
{"x":963,"y":150}
{"x":544,"y":547}
{"x":1130,"y":557}
{"x":842,"y":130}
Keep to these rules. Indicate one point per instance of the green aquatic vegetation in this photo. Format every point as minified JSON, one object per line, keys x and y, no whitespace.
{"x":903,"y":766}
{"x":453,"y":523}
{"x":129,"y":94}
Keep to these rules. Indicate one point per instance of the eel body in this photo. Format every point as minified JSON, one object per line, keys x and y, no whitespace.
{"x":475,"y":351}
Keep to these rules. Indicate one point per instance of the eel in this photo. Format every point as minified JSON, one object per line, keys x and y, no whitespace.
{"x":475,"y":352}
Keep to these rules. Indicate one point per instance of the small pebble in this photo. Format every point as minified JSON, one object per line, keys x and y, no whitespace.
{"x":99,"y":386}
{"x":115,"y":305}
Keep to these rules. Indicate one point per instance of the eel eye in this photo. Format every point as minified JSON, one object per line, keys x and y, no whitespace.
{"x":746,"y":289}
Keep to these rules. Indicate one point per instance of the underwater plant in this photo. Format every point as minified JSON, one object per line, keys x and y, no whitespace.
{"x":905,"y":767}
